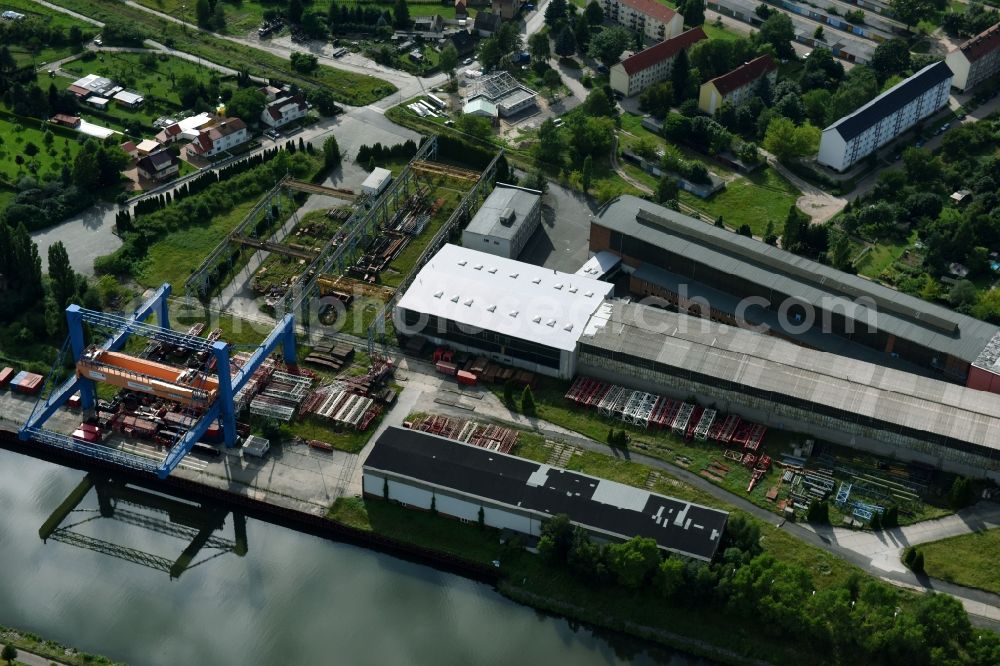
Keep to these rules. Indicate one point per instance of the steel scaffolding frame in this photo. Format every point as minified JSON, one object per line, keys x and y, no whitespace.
{"x":704,"y":424}
{"x":680,"y":423}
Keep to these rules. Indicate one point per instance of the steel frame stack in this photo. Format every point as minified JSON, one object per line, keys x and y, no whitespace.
{"x":639,"y":408}
{"x":680,"y":423}
{"x":704,"y":424}
{"x":693,"y":421}
{"x":609,"y":399}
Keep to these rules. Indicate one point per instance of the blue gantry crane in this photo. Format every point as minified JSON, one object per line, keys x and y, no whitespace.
{"x":120,"y":329}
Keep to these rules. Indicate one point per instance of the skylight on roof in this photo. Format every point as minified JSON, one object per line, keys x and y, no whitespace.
{"x":513,"y":313}
{"x":550,"y":322}
{"x":438,"y":294}
{"x":573,"y":290}
{"x":478,"y":267}
{"x":468,"y":303}
{"x":558,"y":285}
{"x":588,"y":294}
{"x":514,"y":275}
{"x":537,"y":320}
{"x":537,"y":281}
{"x":463,"y":262}
{"x":492,"y":271}
{"x":454,"y":299}
{"x":492,"y":308}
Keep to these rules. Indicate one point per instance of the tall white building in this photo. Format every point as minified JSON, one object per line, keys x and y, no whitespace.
{"x":976,"y":60}
{"x":654,"y":20}
{"x":636,"y":73}
{"x":881,"y":120}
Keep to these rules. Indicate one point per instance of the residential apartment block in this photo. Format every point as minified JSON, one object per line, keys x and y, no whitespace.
{"x":635,"y":73}
{"x":976,"y":60}
{"x":881,"y":120}
{"x":654,"y":20}
{"x":736,"y":86}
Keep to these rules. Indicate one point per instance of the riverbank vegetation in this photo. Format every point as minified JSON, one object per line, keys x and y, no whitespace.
{"x":746,"y":606}
{"x":50,"y":650}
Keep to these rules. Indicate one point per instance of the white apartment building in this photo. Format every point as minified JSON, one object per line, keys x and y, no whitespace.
{"x":654,"y":20}
{"x":881,"y":120}
{"x":976,"y":60}
{"x":635,"y":73}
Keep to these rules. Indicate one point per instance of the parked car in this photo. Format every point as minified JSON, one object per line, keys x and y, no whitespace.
{"x":467,"y":61}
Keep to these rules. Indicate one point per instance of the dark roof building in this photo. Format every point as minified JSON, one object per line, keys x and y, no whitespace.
{"x":801,"y":296}
{"x":734,"y":86}
{"x":522,"y":489}
{"x":884,"y":118}
{"x":976,"y":60}
{"x":651,"y":65}
{"x":158,"y":165}
{"x":774,"y":382}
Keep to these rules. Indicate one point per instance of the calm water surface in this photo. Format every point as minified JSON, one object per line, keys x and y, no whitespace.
{"x":292,"y":599}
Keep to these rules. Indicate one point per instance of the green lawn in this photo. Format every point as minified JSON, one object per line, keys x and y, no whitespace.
{"x":151,"y":75}
{"x":15,"y":138}
{"x":173,"y":258}
{"x":968,"y":560}
{"x":26,"y":55}
{"x":754,"y":199}
{"x":346,"y":86}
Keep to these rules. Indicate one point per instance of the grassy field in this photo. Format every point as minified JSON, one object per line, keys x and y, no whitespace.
{"x":756,"y":199}
{"x":968,"y":560}
{"x":151,"y":75}
{"x":346,"y":87}
{"x":26,"y":55}
{"x":14,"y":143}
{"x":752,"y":199}
{"x":173,"y":258}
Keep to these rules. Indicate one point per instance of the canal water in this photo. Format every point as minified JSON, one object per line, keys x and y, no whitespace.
{"x":101,"y":582}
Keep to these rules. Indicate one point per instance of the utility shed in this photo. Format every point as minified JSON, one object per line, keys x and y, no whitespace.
{"x":513,"y":493}
{"x":376,"y":181}
{"x":505,"y":221}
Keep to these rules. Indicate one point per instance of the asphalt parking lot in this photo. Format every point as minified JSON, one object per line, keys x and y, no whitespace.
{"x":562,"y":240}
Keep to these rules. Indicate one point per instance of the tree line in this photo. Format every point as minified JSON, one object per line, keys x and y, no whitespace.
{"x":862,"y":619}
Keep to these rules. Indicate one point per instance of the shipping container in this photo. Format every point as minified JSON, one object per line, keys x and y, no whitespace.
{"x":5,"y":376}
{"x":446,"y":368}
{"x":466,"y":378}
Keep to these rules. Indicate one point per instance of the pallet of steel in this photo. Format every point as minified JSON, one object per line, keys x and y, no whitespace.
{"x":353,"y":409}
{"x":843,"y":493}
{"x":693,"y":421}
{"x":329,"y":406}
{"x":729,"y":426}
{"x":705,"y":424}
{"x":742,"y":433}
{"x":733,"y":455}
{"x":639,"y":408}
{"x":756,"y":437}
{"x":598,"y":393}
{"x":680,"y":422}
{"x":618,"y":407}
{"x":764,"y":462}
{"x":749,"y":459}
{"x":369,"y":416}
{"x":609,"y":399}
{"x":263,"y":406}
{"x":576,"y":389}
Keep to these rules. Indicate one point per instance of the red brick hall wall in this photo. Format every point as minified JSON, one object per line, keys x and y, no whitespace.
{"x":600,"y":238}
{"x":983,"y":380}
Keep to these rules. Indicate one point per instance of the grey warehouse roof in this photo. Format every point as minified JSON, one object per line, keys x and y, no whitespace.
{"x":767,"y":363}
{"x":601,"y":505}
{"x":891,"y":100}
{"x":904,"y":316}
{"x":487,"y":221}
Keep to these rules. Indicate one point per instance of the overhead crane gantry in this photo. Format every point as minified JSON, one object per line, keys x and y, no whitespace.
{"x":83,"y":380}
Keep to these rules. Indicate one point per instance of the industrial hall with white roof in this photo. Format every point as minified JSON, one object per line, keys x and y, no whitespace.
{"x":856,"y":391}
